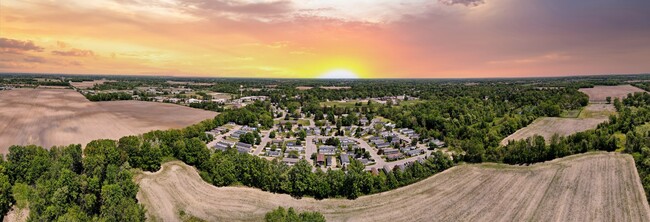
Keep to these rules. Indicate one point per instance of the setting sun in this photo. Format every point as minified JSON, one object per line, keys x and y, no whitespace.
{"x":339,"y":74}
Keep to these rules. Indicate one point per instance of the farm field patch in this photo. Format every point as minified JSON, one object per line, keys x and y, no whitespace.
{"x":586,"y":187}
{"x":48,"y":117}
{"x":600,"y":93}
{"x":589,"y":118}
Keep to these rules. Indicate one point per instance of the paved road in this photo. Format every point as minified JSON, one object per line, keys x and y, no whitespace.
{"x":310,"y":148}
{"x":265,"y":139}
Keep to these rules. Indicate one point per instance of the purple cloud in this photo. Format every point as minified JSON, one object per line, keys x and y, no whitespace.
{"x":18,"y":46}
{"x":75,"y":53}
{"x":260,"y":8}
{"x":463,"y":2}
{"x":34,"y":59}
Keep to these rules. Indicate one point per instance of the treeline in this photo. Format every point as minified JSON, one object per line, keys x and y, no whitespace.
{"x":52,"y":83}
{"x":60,"y":185}
{"x":109,"y":96}
{"x":233,"y":168}
{"x":637,"y":139}
{"x":256,"y":114}
{"x":282,"y":215}
{"x":535,"y":149}
{"x":32,"y":81}
{"x":212,"y":106}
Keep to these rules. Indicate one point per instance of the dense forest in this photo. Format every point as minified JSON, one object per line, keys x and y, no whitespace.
{"x":60,"y":185}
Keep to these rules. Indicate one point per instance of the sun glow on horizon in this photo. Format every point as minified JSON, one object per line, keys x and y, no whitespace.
{"x":339,"y":74}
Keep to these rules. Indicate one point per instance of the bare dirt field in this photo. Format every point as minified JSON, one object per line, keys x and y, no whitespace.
{"x":89,"y":84}
{"x":335,"y":87}
{"x":589,"y":118}
{"x":586,"y":187}
{"x":600,"y":93}
{"x":190,"y":83}
{"x":49,"y":117}
{"x":547,"y":126}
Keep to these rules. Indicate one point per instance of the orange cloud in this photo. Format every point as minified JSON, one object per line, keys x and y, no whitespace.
{"x":411,"y":38}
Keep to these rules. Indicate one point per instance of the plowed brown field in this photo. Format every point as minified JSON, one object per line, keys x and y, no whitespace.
{"x":586,"y":187}
{"x":49,"y":117}
{"x":600,"y":93}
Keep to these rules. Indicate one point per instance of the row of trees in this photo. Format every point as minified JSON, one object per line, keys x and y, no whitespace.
{"x":109,"y":96}
{"x":535,"y":149}
{"x":212,"y":106}
{"x":233,"y":168}
{"x":633,"y":120}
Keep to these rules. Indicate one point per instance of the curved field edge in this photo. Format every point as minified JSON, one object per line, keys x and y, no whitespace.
{"x":594,"y":186}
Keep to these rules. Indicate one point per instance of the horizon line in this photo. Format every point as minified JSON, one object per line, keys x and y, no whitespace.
{"x":317,"y":78}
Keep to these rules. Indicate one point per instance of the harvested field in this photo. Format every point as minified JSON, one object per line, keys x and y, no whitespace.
{"x":48,"y":117}
{"x":600,"y":93}
{"x":547,"y":126}
{"x":335,"y":87}
{"x":589,"y":118}
{"x":587,"y":187}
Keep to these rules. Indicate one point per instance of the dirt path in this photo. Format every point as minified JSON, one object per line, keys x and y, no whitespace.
{"x":587,"y":187}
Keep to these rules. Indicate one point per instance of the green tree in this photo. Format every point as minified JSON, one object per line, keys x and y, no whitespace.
{"x":5,"y":195}
{"x":300,"y":178}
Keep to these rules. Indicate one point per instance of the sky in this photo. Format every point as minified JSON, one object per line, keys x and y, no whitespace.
{"x":329,"y":38}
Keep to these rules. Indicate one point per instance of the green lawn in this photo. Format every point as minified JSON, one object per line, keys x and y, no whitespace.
{"x":352,"y":103}
{"x":348,"y":104}
{"x":410,"y":102}
{"x":304,"y":122}
{"x":592,"y":114}
{"x":570,"y":113}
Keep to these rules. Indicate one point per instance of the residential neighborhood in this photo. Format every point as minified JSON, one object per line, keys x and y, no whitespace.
{"x":376,"y":143}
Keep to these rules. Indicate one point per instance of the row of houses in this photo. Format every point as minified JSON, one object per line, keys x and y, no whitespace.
{"x":345,"y":159}
{"x":242,"y":131}
{"x":388,"y":168}
{"x":323,"y":160}
{"x":250,"y":99}
{"x":290,"y":145}
{"x":218,"y":131}
{"x":382,"y":142}
{"x":410,"y":133}
{"x":241,"y":147}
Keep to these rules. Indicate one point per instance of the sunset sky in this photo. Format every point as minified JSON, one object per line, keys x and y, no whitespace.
{"x":334,"y":38}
